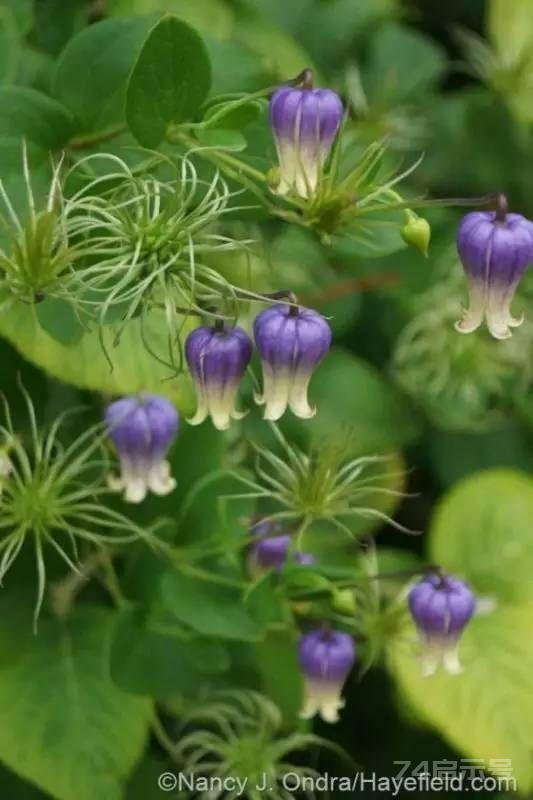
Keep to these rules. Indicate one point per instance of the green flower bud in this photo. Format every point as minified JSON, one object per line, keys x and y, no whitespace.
{"x":417,"y":233}
{"x":343,"y":601}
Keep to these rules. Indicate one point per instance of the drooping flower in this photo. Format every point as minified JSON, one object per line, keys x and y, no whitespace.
{"x":272,"y":552}
{"x":217,"y":360}
{"x":291,"y":342}
{"x":304,"y":122}
{"x":495,"y":248}
{"x":142,"y":428}
{"x":441,"y":607}
{"x":326,"y":658}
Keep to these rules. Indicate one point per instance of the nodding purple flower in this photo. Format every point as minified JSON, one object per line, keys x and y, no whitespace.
{"x":272,"y":552}
{"x":441,"y":607}
{"x":495,"y":248}
{"x":217,"y":360}
{"x":142,"y":428}
{"x":326,"y":658}
{"x":305,"y":123}
{"x":291,"y":342}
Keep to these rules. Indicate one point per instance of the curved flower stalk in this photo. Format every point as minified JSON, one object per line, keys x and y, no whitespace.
{"x":441,"y":607}
{"x":460,"y":381}
{"x":291,"y":341}
{"x":239,"y":734}
{"x":142,"y":429}
{"x":325,"y":484}
{"x":495,"y":248}
{"x":53,"y":497}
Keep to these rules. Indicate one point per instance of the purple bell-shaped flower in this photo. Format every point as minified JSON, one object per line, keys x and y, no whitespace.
{"x":305,"y":122}
{"x":441,"y":607}
{"x":291,"y":342}
{"x":272,"y":552}
{"x":326,"y":658}
{"x":142,"y":428}
{"x":495,"y":248}
{"x":217,"y":360}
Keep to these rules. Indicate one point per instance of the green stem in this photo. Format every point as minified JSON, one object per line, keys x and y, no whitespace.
{"x":83,"y":142}
{"x":219,"y":157}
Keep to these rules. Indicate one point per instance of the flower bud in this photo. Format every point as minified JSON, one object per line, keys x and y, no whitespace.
{"x":217,"y":360}
{"x":272,"y":552}
{"x":291,"y":342}
{"x":441,"y":607}
{"x":417,"y":233}
{"x":304,"y":123}
{"x":142,"y":428}
{"x":326,"y":658}
{"x":495,"y":248}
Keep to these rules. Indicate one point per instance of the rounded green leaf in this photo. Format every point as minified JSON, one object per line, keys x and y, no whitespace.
{"x":67,"y":728}
{"x":93,"y":70}
{"x":169,"y":82}
{"x":32,"y":115}
{"x":84,"y":364}
{"x":486,"y":711}
{"x":482,"y":531}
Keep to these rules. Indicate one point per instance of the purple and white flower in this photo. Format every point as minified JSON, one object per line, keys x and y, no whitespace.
{"x":305,"y":122}
{"x":291,"y":342}
{"x":142,"y":428}
{"x":495,"y":248}
{"x":326,"y":658}
{"x":441,"y":607}
{"x":217,"y":360}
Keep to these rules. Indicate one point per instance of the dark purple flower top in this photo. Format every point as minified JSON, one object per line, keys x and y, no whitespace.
{"x":441,"y":605}
{"x":142,"y":426}
{"x":218,"y":357}
{"x":306,"y":116}
{"x":326,"y":655}
{"x":285,"y":340}
{"x":495,"y":251}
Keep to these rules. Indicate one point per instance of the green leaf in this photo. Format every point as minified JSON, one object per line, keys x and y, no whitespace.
{"x":10,"y":46}
{"x":394,"y":50}
{"x":277,"y":663}
{"x":145,"y":660}
{"x":169,"y":82}
{"x":485,"y":712}
{"x":482,"y":531}
{"x":134,"y":368}
{"x":93,"y":70}
{"x":67,"y":728}
{"x":29,"y":114}
{"x":208,"y":607}
{"x":58,"y":318}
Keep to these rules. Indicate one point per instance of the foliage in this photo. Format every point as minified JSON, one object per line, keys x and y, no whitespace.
{"x":139,"y":198}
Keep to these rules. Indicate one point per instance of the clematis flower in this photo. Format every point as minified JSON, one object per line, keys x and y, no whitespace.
{"x":441,"y":607}
{"x":495,"y":248}
{"x":272,"y":552}
{"x":142,"y":428}
{"x":217,"y":360}
{"x":304,"y":122}
{"x":291,"y":342}
{"x":326,"y":658}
